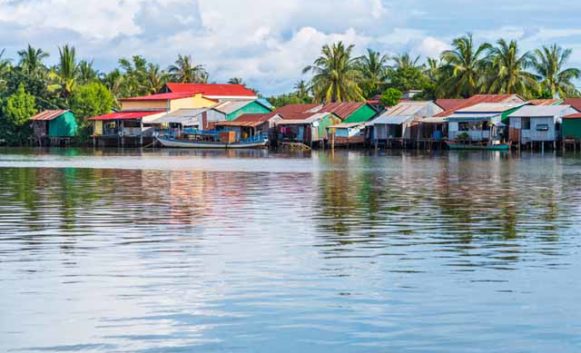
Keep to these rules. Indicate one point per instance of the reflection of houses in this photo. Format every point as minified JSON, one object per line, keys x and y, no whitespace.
{"x":54,"y":127}
{"x":251,"y":125}
{"x":401,"y":123}
{"x":542,"y":123}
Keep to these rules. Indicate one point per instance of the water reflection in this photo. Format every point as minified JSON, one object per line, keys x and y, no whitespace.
{"x":250,"y":251}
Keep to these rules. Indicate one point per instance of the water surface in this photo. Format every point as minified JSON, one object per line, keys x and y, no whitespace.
{"x":183,"y":251}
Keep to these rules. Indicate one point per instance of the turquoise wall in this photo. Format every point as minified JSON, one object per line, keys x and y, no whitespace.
{"x":252,"y":108}
{"x":63,"y":126}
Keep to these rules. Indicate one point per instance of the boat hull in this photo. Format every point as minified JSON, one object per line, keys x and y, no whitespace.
{"x":460,"y":146}
{"x":173,"y":143}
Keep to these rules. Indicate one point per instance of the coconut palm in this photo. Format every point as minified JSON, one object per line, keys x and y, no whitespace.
{"x":87,"y":72}
{"x":405,"y":61}
{"x":184,"y":71}
{"x":302,"y":90}
{"x":556,"y":80}
{"x":156,"y":78}
{"x":465,"y":65}
{"x":5,"y":68}
{"x":374,"y":68}
{"x":335,"y":75}
{"x":508,"y":70}
{"x":31,"y":60}
{"x":67,"y":70}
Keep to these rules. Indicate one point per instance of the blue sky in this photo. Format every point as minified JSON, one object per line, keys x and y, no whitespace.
{"x":267,"y":42}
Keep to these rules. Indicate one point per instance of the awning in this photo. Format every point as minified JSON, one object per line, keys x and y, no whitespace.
{"x":433,"y":120}
{"x":124,"y":116}
{"x":186,"y":117}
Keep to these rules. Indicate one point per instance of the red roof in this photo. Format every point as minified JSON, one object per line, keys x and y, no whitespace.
{"x":211,"y":89}
{"x":342,"y":110}
{"x":124,"y":116}
{"x":160,"y":97}
{"x":448,"y":104}
{"x":48,"y":115}
{"x":574,"y":102}
{"x":573,"y":116}
{"x":250,"y":120}
{"x":477,"y":99}
{"x":296,"y":111}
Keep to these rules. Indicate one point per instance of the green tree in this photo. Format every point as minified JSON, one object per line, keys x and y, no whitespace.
{"x":465,"y":67}
{"x":155,"y":78}
{"x":66,"y":72}
{"x":508,"y":70}
{"x":184,"y":71}
{"x":556,"y":80}
{"x":302,"y":90}
{"x":391,"y":97}
{"x":236,"y":81}
{"x":335,"y":75}
{"x":91,"y":99}
{"x":5,"y":69}
{"x":374,"y":70}
{"x":20,"y":107}
{"x":87,"y":73}
{"x":405,"y":61}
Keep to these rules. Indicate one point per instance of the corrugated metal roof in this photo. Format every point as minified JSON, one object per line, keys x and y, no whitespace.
{"x":543,"y":111}
{"x":553,"y":101}
{"x":311,"y":118}
{"x":231,"y":106}
{"x":211,"y":89}
{"x":406,"y":108}
{"x":48,"y":115}
{"x":488,"y":108}
{"x":573,"y":116}
{"x":124,"y":116}
{"x":346,"y":125}
{"x":482,"y":98}
{"x":574,"y":102}
{"x":186,"y":117}
{"x":406,"y":111}
{"x":452,"y":103}
{"x":249,"y":120}
{"x":393,"y":120}
{"x":297,"y":111}
{"x":342,"y":110}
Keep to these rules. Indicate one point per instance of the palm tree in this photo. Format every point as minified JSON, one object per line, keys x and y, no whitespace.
{"x":67,"y":70}
{"x":184,"y":71}
{"x":465,"y":66}
{"x":405,"y":61}
{"x":508,"y":73}
{"x":374,"y":68}
{"x":5,"y":68}
{"x":114,"y":82}
{"x":31,"y":60}
{"x":549,"y":63}
{"x":302,"y":90}
{"x":134,"y":79}
{"x":86,"y":72}
{"x":335,"y":75}
{"x":236,"y":81}
{"x":156,"y":78}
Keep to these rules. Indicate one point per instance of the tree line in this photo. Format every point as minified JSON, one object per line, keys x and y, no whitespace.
{"x":468,"y":68}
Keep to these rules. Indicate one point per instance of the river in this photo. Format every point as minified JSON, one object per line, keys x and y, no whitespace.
{"x":192,"y":251}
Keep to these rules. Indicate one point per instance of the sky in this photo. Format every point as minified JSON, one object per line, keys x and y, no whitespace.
{"x":268,"y":42}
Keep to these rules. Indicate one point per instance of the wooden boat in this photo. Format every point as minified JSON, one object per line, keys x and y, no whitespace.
{"x":185,"y":143}
{"x":488,"y":147}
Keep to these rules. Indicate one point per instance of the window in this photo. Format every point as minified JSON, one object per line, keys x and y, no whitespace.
{"x":463,"y":127}
{"x":543,"y":127}
{"x":526,"y":123}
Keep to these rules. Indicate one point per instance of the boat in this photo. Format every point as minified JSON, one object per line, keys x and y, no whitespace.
{"x":488,"y":147}
{"x":211,"y":139}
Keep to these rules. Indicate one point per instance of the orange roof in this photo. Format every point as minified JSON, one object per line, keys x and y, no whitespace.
{"x":342,"y":110}
{"x":451,"y":103}
{"x":211,"y":89}
{"x":477,"y":99}
{"x":573,"y":116}
{"x":250,"y":120}
{"x":574,"y":102}
{"x":159,"y":97}
{"x":553,"y":101}
{"x":48,"y":115}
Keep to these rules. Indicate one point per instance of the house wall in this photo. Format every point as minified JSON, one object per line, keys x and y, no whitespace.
{"x":475,"y":135}
{"x":533,"y":134}
{"x":361,"y":115}
{"x":252,"y":108}
{"x":143,"y":105}
{"x":214,"y":115}
{"x":63,"y":126}
{"x":97,"y":128}
{"x":320,"y":132}
{"x":572,"y":128}
{"x":198,"y":101}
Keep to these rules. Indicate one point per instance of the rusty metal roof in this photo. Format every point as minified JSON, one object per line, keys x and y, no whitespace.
{"x":48,"y":115}
{"x":482,"y":98}
{"x":342,"y":110}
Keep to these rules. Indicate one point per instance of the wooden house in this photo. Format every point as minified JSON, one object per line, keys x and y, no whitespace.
{"x":251,"y":125}
{"x":308,"y":128}
{"x":541,"y":123}
{"x":230,"y":110}
{"x":401,"y":122}
{"x":481,"y":122}
{"x":121,"y":128}
{"x":54,"y":127}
